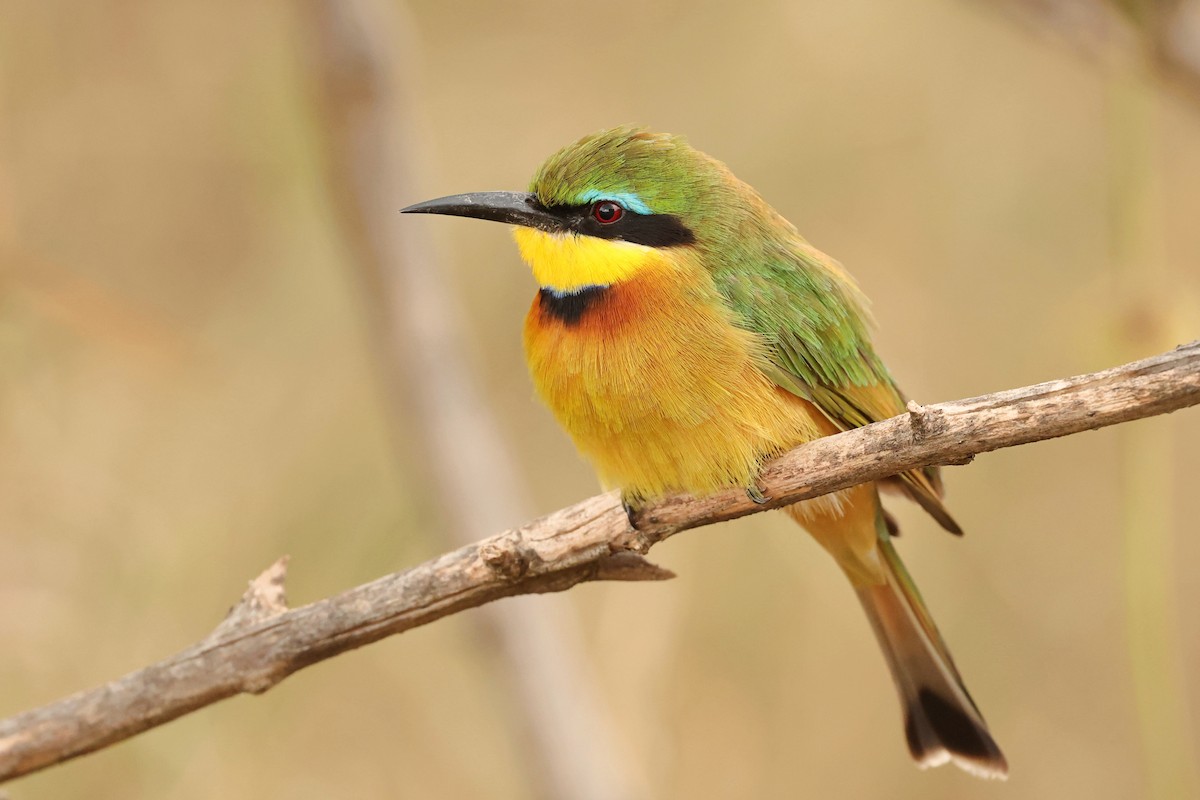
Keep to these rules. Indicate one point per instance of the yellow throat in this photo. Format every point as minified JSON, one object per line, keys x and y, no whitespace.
{"x":566,"y":262}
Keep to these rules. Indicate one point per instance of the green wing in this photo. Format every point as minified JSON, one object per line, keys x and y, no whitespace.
{"x":814,"y":322}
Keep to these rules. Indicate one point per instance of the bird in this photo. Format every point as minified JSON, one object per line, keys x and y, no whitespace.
{"x":683,"y":334}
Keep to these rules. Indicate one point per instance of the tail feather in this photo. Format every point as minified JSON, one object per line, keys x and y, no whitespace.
{"x":941,"y":722}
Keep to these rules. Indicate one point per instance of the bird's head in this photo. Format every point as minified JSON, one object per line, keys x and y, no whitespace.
{"x":601,"y":209}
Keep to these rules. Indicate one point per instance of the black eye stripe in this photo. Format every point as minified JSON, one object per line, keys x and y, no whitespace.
{"x":650,"y":230}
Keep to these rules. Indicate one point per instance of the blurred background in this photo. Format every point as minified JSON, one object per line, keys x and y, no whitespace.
{"x":219,"y":343}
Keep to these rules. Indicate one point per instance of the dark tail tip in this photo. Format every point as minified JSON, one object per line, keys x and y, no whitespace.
{"x":939,"y":731}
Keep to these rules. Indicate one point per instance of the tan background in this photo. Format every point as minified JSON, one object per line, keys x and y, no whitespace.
{"x":186,"y":391}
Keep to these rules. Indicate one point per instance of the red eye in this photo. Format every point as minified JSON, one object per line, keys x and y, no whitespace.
{"x":607,"y":212}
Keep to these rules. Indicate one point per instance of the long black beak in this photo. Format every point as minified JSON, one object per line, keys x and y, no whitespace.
{"x":516,"y":208}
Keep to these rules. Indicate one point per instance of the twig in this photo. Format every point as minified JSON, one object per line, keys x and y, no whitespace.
{"x":592,"y":540}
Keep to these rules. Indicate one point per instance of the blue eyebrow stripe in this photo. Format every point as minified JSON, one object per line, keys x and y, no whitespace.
{"x":628,"y":199}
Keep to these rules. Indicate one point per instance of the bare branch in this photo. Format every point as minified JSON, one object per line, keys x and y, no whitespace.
{"x":261,"y":644}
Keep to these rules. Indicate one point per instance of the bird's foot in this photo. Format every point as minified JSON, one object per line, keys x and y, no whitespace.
{"x":756,"y":496}
{"x":632,"y":505}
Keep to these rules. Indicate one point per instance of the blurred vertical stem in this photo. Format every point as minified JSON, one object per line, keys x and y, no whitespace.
{"x":360,"y":55}
{"x":1142,"y":301}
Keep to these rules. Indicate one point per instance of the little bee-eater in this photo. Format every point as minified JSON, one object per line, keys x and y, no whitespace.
{"x":684,"y":333}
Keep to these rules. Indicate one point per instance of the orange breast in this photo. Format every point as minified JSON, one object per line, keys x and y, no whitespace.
{"x":658,"y":388}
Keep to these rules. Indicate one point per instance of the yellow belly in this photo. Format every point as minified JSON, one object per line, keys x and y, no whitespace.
{"x":660,"y":391}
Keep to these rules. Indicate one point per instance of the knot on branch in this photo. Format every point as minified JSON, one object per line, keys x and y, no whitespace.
{"x":265,"y":597}
{"x":506,"y":557}
{"x":633,"y":539}
{"x":924,"y":421}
